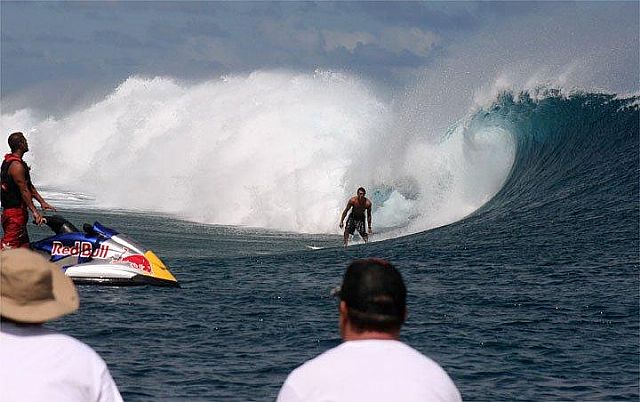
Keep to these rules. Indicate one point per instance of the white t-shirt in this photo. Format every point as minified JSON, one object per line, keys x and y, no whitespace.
{"x":369,"y":370}
{"x":39,"y":364}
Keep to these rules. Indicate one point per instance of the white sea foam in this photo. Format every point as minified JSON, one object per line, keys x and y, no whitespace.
{"x":278,"y":150}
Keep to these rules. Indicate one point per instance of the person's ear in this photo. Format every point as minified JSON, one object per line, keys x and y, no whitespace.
{"x":343,"y":308}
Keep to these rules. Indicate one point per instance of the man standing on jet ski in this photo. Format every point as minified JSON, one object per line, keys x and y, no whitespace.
{"x":16,"y":195}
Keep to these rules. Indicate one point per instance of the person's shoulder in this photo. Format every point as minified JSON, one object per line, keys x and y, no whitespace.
{"x":17,"y":167}
{"x":311,"y":375}
{"x":429,"y":368}
{"x":72,"y":345}
{"x":418,"y":358}
{"x":320,"y":363}
{"x":44,"y":338}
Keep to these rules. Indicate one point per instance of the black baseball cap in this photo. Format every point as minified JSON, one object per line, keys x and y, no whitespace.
{"x":374,"y":293}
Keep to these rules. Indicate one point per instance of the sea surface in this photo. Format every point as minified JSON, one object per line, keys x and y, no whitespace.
{"x":532,"y":296}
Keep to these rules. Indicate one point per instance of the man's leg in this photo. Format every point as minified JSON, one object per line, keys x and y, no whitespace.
{"x":349,"y":229}
{"x":363,"y":233}
{"x":14,"y":226}
{"x":5,"y":223}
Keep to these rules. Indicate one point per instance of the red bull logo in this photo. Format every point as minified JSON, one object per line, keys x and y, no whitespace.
{"x":79,"y":248}
{"x":139,"y":262}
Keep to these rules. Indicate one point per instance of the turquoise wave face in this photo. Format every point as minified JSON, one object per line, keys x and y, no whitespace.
{"x":576,"y":159}
{"x":575,"y":165}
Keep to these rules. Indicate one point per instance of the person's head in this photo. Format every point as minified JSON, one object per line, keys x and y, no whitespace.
{"x":361,"y":192}
{"x":17,"y":142}
{"x":34,"y":290}
{"x":373,"y":298}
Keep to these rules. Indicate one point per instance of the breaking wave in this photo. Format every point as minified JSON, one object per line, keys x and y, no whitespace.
{"x":276,"y":150}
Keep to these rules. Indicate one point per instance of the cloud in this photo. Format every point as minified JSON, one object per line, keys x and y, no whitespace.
{"x":168,"y":31}
{"x":413,"y":40}
{"x":390,"y":46}
{"x":49,"y":38}
{"x":212,"y":51}
{"x":347,"y":40}
{"x":373,"y":57}
{"x":448,"y":16}
{"x":21,"y":52}
{"x":379,"y":40}
{"x":203,"y":28}
{"x":116,"y":39}
{"x":288,"y":34}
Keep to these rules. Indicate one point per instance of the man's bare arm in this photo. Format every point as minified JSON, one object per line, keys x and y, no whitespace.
{"x":346,"y":210}
{"x":45,"y":205}
{"x":369,"y":215}
{"x":16,"y":170}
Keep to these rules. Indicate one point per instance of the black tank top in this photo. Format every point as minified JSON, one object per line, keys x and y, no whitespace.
{"x":9,"y":191}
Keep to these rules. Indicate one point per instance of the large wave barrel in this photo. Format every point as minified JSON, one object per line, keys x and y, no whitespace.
{"x":575,"y":153}
{"x":574,"y":184}
{"x":278,"y":150}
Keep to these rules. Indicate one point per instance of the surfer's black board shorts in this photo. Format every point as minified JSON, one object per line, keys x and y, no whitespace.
{"x":354,"y":224}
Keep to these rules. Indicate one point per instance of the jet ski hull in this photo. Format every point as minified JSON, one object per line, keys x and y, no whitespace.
{"x":114,"y":274}
{"x":100,"y":255}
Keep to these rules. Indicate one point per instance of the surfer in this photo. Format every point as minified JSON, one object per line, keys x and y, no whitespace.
{"x":358,"y":205}
{"x":16,"y":195}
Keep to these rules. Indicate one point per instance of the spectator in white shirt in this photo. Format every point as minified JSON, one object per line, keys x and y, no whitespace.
{"x":371,"y":364}
{"x":37,"y":363}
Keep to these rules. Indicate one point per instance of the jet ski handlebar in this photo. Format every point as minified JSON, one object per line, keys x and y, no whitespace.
{"x":59,"y":224}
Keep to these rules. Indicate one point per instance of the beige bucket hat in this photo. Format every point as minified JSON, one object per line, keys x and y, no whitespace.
{"x":33,"y":290}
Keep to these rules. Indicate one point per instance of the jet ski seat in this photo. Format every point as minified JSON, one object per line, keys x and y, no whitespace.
{"x":88,"y":229}
{"x":59,"y":225}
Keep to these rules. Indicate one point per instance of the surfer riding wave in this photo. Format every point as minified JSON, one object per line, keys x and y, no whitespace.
{"x":356,"y":221}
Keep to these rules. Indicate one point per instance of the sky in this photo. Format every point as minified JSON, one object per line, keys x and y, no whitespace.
{"x":55,"y":55}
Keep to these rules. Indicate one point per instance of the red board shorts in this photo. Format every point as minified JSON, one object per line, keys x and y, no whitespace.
{"x":14,"y":226}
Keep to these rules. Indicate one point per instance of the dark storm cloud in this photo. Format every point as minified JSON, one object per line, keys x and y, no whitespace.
{"x":458,"y":16}
{"x":217,"y":37}
{"x":56,"y":38}
{"x":373,"y":56}
{"x":202,"y":27}
{"x":116,"y":39}
{"x":510,"y":9}
{"x":8,"y":38}
{"x":175,"y":8}
{"x":20,"y":52}
{"x":164,"y":32}
{"x":95,"y":42}
{"x":125,"y":62}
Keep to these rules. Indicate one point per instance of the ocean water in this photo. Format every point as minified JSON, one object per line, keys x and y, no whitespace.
{"x":516,"y":230}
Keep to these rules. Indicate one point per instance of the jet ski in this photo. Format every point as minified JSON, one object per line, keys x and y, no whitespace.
{"x":100,"y":255}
